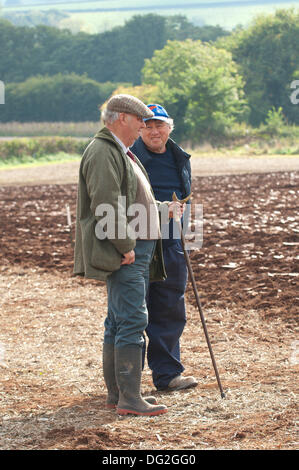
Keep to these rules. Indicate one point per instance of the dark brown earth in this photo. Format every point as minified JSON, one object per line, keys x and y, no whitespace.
{"x":51,"y":326}
{"x":249,"y":255}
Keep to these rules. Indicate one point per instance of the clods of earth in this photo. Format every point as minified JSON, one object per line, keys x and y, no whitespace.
{"x":51,"y":326}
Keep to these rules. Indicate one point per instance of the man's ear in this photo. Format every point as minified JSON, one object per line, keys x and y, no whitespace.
{"x":123,"y":118}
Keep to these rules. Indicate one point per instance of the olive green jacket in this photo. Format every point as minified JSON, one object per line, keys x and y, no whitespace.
{"x":105,"y":175}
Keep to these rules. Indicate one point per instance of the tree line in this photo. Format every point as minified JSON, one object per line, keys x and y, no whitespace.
{"x":116,"y":55}
{"x":55,"y":98}
{"x":208,"y":79}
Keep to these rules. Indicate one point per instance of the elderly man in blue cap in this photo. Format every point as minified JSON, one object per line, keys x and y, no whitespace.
{"x":169,"y":170}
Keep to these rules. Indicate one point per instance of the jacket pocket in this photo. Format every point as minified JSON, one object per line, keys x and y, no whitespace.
{"x":104,"y":255}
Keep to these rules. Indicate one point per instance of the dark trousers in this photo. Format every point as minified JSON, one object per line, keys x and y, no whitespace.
{"x":167,"y":317}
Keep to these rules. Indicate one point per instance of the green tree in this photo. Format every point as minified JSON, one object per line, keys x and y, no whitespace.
{"x":179,"y":28}
{"x":57,"y":98}
{"x":32,"y":51}
{"x":117,"y":55}
{"x":268,"y":55}
{"x":199,"y":85}
{"x":275,"y":121}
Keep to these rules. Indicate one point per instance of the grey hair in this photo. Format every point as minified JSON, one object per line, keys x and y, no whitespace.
{"x":109,"y":116}
{"x":170,"y":123}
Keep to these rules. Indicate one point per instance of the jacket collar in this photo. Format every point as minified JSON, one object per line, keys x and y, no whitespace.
{"x":140,"y":149}
{"x":106,"y":134}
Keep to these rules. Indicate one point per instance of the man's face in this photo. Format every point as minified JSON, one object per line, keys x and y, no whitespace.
{"x":134,"y":125}
{"x":155,"y":135}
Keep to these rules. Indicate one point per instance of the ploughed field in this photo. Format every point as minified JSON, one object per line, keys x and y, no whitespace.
{"x":51,"y":326}
{"x":249,"y":255}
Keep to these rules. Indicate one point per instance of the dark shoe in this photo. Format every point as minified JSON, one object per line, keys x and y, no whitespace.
{"x":128,"y":366}
{"x":110,"y":380}
{"x":181,"y":383}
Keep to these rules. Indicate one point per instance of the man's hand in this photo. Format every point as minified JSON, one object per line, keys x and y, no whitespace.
{"x":176,"y":210}
{"x":128,"y":258}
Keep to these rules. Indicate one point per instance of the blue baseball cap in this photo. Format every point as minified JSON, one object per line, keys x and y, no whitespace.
{"x":160,"y":113}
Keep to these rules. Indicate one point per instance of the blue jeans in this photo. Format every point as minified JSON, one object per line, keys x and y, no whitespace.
{"x":127,"y":315}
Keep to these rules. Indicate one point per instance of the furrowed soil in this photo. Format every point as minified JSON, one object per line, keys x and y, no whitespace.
{"x":52,"y":392}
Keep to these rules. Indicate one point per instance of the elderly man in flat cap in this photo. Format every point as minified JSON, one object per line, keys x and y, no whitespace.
{"x":108,"y":248}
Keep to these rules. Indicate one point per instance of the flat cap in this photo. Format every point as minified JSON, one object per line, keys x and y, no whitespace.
{"x":129,"y":104}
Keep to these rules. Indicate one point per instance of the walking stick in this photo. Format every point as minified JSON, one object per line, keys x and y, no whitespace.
{"x":190,"y":270}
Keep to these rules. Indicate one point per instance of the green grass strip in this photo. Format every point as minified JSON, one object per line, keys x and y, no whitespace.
{"x":29,"y":161}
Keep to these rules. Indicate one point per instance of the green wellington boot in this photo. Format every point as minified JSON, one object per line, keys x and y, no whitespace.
{"x":110,"y":380}
{"x":128,"y":367}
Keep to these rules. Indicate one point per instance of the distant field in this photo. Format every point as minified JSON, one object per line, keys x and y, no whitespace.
{"x":98,"y":16}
